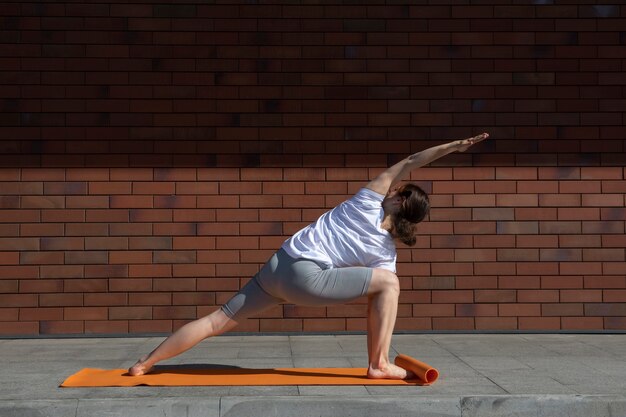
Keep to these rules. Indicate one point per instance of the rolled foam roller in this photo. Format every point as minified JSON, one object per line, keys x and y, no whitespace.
{"x":423,"y":371}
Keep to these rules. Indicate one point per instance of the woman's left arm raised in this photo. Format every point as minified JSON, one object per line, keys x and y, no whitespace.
{"x":400,"y":171}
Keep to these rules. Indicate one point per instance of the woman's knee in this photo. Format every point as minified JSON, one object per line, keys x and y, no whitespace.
{"x":383,"y":280}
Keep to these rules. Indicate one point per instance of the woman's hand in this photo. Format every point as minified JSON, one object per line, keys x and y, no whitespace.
{"x":463,"y":144}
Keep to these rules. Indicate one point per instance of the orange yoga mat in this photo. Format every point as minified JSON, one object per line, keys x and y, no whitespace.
{"x":90,"y":377}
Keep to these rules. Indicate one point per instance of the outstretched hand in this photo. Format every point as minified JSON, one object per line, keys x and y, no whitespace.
{"x":463,"y":144}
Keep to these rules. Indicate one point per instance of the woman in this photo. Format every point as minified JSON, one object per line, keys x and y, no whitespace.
{"x":347,"y":253}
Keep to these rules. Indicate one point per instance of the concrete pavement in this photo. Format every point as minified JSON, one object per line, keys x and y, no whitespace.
{"x":481,"y":375}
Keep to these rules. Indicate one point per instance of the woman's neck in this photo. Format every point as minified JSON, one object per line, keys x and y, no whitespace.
{"x":387,"y":222}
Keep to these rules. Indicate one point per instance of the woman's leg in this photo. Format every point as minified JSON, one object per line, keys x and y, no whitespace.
{"x":248,"y":302}
{"x":383,"y":294}
{"x":309,"y":284}
{"x":184,"y":339}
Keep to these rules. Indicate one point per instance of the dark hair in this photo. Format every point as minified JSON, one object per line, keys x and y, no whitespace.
{"x":413,"y":210}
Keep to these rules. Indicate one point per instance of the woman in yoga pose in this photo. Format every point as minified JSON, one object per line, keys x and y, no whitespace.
{"x":347,"y":253}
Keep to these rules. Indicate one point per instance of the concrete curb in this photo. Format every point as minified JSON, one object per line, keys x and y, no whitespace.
{"x":323,"y":406}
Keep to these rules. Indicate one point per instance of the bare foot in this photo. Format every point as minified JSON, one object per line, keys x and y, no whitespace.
{"x":390,"y":371}
{"x":140,"y":367}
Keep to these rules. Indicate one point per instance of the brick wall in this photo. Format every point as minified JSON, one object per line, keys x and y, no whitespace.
{"x":154,"y":155}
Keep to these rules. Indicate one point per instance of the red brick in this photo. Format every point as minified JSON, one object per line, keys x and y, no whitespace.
{"x":85,"y":285}
{"x":85,"y":313}
{"x":176,"y":229}
{"x":327,"y":325}
{"x":451,"y":241}
{"x":33,"y":314}
{"x":545,"y":241}
{"x":491,"y":187}
{"x":563,"y":309}
{"x":617,"y":255}
{"x":123,"y":201}
{"x":539,"y":323}
{"x":47,"y":202}
{"x":538,"y":187}
{"x":104,"y":327}
{"x":538,"y":296}
{"x":280,"y":325}
{"x":559,"y":200}
{"x":560,"y":282}
{"x":105,"y":299}
{"x":149,"y":271}
{"x":458,"y":296}
{"x":130,"y":285}
{"x":174,"y":312}
{"x":519,"y":309}
{"x":130,"y":229}
{"x":496,"y":323}
{"x":433,"y":310}
{"x":614,"y":268}
{"x":149,"y":326}
{"x":474,"y":228}
{"x":261,"y":228}
{"x":495,"y":296}
{"x":587,"y":186}
{"x":560,"y":255}
{"x":581,"y":323}
{"x":518,"y":255}
{"x":476,"y":310}
{"x":578,"y":214}
{"x":258,"y":201}
{"x":611,"y":186}
{"x":518,"y":227}
{"x":494,"y":268}
{"x":20,"y":216}
{"x":613,"y":213}
{"x":578,"y":241}
{"x":19,"y":244}
{"x":109,"y":188}
{"x":536,"y":213}
{"x":174,"y":284}
{"x":608,"y":173}
{"x":193,"y":242}
{"x":218,"y":256}
{"x":476,"y":282}
{"x":107,"y":215}
{"x":19,"y":328}
{"x":193,"y":270}
{"x":40,"y":286}
{"x":493,"y":241}
{"x":613,"y":296}
{"x":456,"y":323}
{"x":170,"y":257}
{"x":73,"y":202}
{"x":61,"y":327}
{"x":130,"y":257}
{"x":476,"y":200}
{"x":433,"y":282}
{"x":602,"y":227}
{"x":452,"y":269}
{"x":10,"y":258}
{"x":587,"y":268}
{"x":129,"y":313}
{"x":552,"y":173}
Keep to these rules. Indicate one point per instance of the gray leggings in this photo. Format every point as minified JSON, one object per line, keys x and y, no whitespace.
{"x":298,"y":281}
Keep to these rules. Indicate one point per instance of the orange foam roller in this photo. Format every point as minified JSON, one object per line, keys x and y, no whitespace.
{"x":426,"y":373}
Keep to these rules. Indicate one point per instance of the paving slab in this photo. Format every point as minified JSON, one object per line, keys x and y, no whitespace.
{"x":481,"y":375}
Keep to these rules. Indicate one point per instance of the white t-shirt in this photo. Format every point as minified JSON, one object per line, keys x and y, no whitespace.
{"x":348,"y":235}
